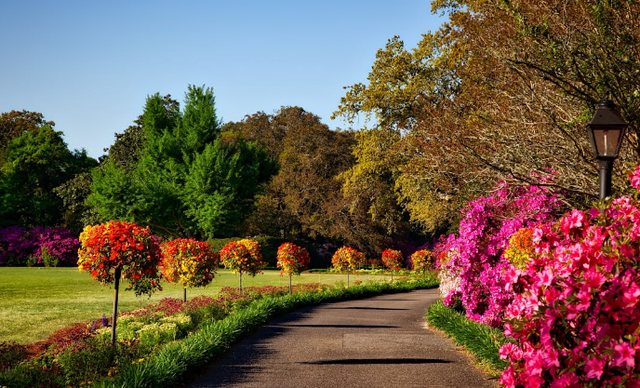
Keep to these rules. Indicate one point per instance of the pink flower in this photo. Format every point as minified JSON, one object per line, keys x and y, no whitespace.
{"x":594,"y":368}
{"x":623,"y":355}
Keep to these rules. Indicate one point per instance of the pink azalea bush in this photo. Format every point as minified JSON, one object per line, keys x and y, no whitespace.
{"x":576,"y":312}
{"x":474,"y":266}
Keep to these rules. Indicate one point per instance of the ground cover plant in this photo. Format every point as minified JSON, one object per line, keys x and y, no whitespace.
{"x":151,"y":352}
{"x":483,"y":341}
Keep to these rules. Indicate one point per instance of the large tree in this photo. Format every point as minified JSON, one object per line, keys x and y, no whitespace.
{"x":184,"y":179}
{"x":502,"y":91}
{"x":36,"y":163}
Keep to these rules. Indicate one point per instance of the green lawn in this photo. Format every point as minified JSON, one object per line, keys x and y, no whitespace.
{"x":34,"y":302}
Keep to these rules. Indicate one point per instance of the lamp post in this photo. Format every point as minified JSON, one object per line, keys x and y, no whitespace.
{"x":606,"y":131}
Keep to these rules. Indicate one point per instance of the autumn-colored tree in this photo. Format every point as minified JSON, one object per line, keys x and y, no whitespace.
{"x":242,"y":256}
{"x":422,"y":261}
{"x":501,"y":91}
{"x":292,"y":259}
{"x":188,"y":262}
{"x":347,"y":259}
{"x":109,"y":251}
{"x":392,"y":259}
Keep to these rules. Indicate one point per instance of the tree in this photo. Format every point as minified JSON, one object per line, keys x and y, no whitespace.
{"x":116,"y":249}
{"x":422,"y":261}
{"x":501,"y":91}
{"x":347,"y":259}
{"x":392,"y":259}
{"x":292,"y":259}
{"x":188,"y":262}
{"x":37,"y":162}
{"x":242,"y":256}
{"x":185,"y":180}
{"x":15,"y":124}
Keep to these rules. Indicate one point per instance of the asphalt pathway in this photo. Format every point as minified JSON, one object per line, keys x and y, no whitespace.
{"x":375,"y":342}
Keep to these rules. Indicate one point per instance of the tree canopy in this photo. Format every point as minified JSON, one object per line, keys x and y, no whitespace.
{"x":184,"y":177}
{"x":502,"y":91}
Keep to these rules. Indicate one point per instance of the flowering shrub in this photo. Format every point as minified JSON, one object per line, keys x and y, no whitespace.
{"x":476,"y":254}
{"x":422,"y":260}
{"x":188,"y":262}
{"x":577,"y":315}
{"x":392,"y":259}
{"x":292,"y":259}
{"x":347,"y":259}
{"x":124,"y":246}
{"x":242,"y":256}
{"x":18,"y":246}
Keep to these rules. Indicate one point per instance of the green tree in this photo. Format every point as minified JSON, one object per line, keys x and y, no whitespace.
{"x":155,"y":185}
{"x":36,"y":163}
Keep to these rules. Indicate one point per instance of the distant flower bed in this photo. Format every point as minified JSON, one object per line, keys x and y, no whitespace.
{"x":38,"y":246}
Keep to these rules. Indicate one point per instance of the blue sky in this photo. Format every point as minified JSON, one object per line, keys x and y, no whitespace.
{"x":89,"y":66}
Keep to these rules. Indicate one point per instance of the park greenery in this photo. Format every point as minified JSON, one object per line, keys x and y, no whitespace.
{"x":473,"y":160}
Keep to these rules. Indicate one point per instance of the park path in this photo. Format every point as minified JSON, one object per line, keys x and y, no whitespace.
{"x":370,"y":343}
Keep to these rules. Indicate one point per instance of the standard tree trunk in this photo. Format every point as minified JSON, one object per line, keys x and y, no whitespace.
{"x":290,"y":287}
{"x":184,"y":294}
{"x":347,"y":278}
{"x":115,"y":306}
{"x":240,"y":282}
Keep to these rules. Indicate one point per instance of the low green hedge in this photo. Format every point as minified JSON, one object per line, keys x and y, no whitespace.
{"x":166,"y":366}
{"x":482,"y":341}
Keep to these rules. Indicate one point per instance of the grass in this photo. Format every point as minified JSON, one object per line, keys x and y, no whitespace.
{"x":35,"y":302}
{"x":480,"y":340}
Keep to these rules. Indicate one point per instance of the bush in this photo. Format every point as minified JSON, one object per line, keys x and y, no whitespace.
{"x":20,"y":247}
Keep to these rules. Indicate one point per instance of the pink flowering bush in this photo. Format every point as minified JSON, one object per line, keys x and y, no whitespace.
{"x":576,"y":313}
{"x":474,"y":264}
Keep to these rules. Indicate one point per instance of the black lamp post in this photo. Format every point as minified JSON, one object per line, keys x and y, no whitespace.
{"x":606,"y":131}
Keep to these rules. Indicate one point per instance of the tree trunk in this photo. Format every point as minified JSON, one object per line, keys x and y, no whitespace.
{"x":240,"y":282}
{"x":347,"y":278}
{"x":115,"y":306}
{"x":290,"y":287}
{"x":184,"y":294}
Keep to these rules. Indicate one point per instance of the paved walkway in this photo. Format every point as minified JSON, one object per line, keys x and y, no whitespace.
{"x":370,"y":343}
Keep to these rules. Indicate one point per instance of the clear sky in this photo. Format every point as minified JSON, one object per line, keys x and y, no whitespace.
{"x":89,"y":66}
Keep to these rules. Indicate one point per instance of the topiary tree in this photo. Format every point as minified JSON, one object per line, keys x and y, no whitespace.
{"x":109,"y":251}
{"x":188,"y":262}
{"x":422,"y":261}
{"x":242,"y":256}
{"x":292,"y":259}
{"x":392,"y":259}
{"x":347,"y":259}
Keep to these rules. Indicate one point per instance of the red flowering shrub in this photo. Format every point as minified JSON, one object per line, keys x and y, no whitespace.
{"x":292,"y":259}
{"x":188,"y":262}
{"x":243,"y":256}
{"x":347,"y":259}
{"x":576,"y":313}
{"x":422,"y":260}
{"x":125,"y":246}
{"x":392,"y":259}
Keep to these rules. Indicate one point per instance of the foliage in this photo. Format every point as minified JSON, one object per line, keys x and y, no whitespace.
{"x":292,"y":259}
{"x":502,"y":89}
{"x":184,"y":177}
{"x":242,"y":256}
{"x":188,"y":262}
{"x":482,"y":341}
{"x":576,"y":310}
{"x":125,"y":246}
{"x":476,"y":254}
{"x":347,"y":259}
{"x":422,"y":260}
{"x":17,"y":245}
{"x":36,"y":163}
{"x":392,"y":259}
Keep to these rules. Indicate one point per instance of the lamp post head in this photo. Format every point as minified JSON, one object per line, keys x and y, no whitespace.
{"x":606,"y":131}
